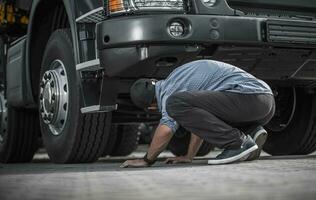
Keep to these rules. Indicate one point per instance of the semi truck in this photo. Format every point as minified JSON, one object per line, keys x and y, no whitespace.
{"x":67,"y":67}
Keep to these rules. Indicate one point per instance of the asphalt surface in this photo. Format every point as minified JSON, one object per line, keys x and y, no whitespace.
{"x":286,"y":177}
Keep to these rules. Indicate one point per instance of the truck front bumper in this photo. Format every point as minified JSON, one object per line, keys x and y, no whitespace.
{"x":135,"y":46}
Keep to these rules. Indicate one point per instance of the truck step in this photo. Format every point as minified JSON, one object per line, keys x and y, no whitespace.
{"x":92,"y":65}
{"x":98,"y":108}
{"x":94,"y":16}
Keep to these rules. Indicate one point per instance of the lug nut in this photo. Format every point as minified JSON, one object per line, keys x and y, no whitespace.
{"x":50,"y":117}
{"x":42,"y":84}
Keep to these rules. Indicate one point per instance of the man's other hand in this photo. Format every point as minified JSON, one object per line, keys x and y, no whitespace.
{"x":179,"y":159}
{"x":134,"y":163}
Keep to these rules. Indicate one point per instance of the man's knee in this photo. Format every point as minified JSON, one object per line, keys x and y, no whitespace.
{"x":176,"y":103}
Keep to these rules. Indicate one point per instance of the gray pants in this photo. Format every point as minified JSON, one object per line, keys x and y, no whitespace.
{"x":219,"y":117}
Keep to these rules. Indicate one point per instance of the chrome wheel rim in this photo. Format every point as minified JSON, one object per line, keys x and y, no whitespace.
{"x":54,"y":97}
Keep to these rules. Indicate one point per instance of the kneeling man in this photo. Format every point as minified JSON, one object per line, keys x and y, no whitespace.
{"x":212,"y":100}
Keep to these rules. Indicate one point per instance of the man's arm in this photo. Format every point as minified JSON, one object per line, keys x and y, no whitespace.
{"x":194,"y":146}
{"x":162,"y":136}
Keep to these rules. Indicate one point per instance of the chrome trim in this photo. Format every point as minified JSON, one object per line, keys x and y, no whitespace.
{"x":94,"y":16}
{"x":98,"y":108}
{"x":91,"y":65}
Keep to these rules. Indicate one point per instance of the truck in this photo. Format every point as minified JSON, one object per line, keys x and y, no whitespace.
{"x":67,"y":67}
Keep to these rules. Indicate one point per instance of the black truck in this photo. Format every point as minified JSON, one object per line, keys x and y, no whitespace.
{"x":67,"y":66}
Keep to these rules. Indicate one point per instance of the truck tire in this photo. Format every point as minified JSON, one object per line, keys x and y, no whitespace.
{"x":147,"y":132}
{"x":19,"y":133}
{"x":292,"y":133}
{"x":126,"y":141}
{"x":111,"y":143}
{"x":68,"y":135}
{"x":180,"y":142}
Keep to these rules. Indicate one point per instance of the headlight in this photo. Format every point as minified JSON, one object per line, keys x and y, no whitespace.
{"x":176,"y":29}
{"x":209,"y":3}
{"x":126,"y":6}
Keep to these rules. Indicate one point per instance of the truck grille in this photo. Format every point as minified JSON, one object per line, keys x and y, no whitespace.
{"x":291,"y":32}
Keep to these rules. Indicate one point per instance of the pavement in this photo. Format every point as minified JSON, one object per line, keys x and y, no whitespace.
{"x":271,"y":177}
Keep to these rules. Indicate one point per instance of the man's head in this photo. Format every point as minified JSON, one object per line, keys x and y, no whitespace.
{"x":143,"y":93}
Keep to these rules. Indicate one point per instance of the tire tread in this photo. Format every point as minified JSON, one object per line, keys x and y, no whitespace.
{"x":127,"y":140}
{"x":22,"y":136}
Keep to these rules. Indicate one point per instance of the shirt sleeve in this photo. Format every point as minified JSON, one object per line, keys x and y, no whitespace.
{"x":168,"y":121}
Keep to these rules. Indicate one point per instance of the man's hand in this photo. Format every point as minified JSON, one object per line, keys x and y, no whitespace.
{"x":134,"y":163}
{"x":163,"y":135}
{"x":179,"y":159}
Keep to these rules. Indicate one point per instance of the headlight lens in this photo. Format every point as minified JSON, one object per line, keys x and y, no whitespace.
{"x":125,"y":6}
{"x":209,"y":3}
{"x":176,"y":29}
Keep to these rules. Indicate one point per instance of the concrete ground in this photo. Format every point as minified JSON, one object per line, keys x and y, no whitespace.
{"x":287,"y":177}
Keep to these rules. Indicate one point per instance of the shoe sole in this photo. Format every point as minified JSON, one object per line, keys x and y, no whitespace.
{"x":260,"y":138}
{"x":234,"y":158}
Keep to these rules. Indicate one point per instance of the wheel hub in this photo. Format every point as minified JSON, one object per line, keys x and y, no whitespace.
{"x":54,"y":97}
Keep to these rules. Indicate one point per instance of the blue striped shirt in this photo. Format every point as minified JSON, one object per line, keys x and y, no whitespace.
{"x":205,"y":75}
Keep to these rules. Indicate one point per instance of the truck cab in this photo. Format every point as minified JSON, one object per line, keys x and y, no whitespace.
{"x":68,"y":69}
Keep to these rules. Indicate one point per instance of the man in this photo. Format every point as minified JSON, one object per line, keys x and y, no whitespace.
{"x":214,"y":101}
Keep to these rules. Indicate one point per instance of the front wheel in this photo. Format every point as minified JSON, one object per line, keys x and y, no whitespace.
{"x":180,"y":142}
{"x":292,"y":131}
{"x":68,"y":135}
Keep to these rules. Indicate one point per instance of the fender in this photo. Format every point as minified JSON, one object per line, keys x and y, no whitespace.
{"x":73,"y":10}
{"x":36,"y":8}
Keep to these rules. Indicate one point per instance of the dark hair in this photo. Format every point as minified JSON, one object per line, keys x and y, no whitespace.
{"x":143,"y":92}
